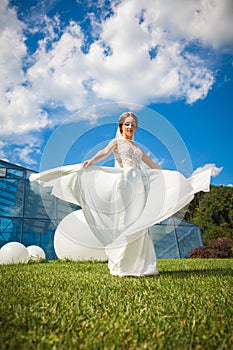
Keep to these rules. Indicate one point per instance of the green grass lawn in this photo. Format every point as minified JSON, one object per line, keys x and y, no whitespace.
{"x":79,"y":305}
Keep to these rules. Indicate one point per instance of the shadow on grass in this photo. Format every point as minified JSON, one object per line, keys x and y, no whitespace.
{"x":208,"y":272}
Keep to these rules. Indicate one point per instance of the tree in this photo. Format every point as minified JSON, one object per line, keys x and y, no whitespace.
{"x":213,"y":212}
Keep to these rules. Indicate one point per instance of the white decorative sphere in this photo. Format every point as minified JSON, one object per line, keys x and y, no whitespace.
{"x":74,"y":240}
{"x":14,"y":253}
{"x":36,"y":253}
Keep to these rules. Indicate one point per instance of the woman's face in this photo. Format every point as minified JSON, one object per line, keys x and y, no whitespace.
{"x":128,"y":128}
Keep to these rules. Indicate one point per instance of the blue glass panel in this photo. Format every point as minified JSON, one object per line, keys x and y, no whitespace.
{"x":15,"y":173}
{"x":166,"y":248}
{"x":13,"y":170}
{"x":188,"y":239}
{"x":175,"y":239}
{"x":39,"y":232}
{"x":10,"y":230}
{"x":38,"y":202}
{"x":11,"y":198}
{"x":165,"y":243}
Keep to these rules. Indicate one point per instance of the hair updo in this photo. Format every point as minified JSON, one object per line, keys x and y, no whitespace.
{"x":124,"y":116}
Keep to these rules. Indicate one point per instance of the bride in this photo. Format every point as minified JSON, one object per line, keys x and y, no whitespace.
{"x":120,"y":204}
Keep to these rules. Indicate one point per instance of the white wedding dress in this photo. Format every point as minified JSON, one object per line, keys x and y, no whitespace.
{"x":120,"y":204}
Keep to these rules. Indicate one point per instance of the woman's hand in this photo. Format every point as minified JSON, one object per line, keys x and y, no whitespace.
{"x":86,"y":163}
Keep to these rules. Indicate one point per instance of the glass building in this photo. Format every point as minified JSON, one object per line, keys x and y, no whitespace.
{"x":30,"y":215}
{"x":175,"y":238}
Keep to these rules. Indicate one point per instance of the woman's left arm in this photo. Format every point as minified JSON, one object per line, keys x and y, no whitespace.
{"x":150,"y":162}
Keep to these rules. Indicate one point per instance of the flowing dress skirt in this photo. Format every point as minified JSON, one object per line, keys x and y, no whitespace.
{"x":120,"y":204}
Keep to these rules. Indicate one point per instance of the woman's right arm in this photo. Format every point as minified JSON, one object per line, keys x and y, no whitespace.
{"x":101,"y":154}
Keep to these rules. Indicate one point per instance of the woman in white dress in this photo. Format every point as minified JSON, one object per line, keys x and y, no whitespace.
{"x":136,"y":257}
{"x":120,"y":204}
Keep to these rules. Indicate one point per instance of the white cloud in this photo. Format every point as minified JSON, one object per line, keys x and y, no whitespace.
{"x":22,"y":149}
{"x":26,"y":154}
{"x":140,"y":54}
{"x":128,"y":72}
{"x":20,"y":107}
{"x":12,"y":48}
{"x":59,"y":75}
{"x":214,"y":169}
{"x":209,"y":21}
{"x":2,"y":153}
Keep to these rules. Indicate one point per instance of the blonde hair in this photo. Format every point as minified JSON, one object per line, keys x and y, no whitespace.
{"x":124,"y":116}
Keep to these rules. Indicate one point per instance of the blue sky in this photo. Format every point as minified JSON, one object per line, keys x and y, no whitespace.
{"x":69,"y":68}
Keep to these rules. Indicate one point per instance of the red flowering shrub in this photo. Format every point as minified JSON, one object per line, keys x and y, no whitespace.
{"x":223,"y":244}
{"x":216,"y":248}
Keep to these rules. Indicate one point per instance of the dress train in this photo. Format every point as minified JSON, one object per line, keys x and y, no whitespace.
{"x":120,"y":204}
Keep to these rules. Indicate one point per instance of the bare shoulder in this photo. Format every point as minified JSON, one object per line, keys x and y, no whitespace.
{"x":112,"y":144}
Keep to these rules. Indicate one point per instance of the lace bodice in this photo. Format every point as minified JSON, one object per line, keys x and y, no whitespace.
{"x":128,"y":154}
